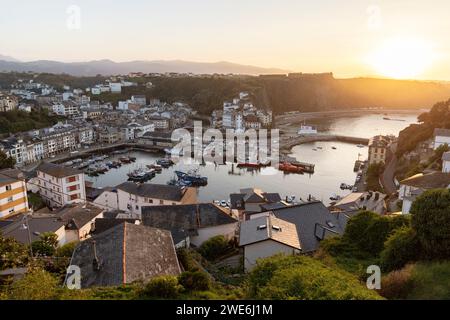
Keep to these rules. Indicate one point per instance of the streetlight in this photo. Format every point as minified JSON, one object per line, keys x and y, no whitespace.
{"x":26,"y":226}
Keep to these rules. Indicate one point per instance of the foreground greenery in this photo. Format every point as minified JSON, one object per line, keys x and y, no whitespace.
{"x":19,"y":121}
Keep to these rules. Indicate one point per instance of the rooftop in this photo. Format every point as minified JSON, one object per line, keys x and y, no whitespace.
{"x":269,"y":227}
{"x":155,"y":191}
{"x":441,"y":132}
{"x":124,"y":254}
{"x":433,"y":180}
{"x":57,"y":170}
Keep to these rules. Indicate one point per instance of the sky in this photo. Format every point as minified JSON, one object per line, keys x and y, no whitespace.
{"x":385,"y":38}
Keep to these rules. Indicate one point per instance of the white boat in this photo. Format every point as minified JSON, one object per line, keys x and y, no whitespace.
{"x":223,"y":203}
{"x":307,"y":130}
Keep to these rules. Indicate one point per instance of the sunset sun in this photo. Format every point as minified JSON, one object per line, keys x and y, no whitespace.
{"x":402,"y":58}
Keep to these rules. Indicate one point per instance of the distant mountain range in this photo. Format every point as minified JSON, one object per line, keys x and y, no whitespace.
{"x":108,"y":67}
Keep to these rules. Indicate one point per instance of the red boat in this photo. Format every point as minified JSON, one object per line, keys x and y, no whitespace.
{"x":253,"y":165}
{"x":290,"y":168}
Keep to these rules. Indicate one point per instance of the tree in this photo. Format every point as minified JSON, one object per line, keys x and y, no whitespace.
{"x":431,"y":221}
{"x":36,"y":285}
{"x":196,"y":280}
{"x":13,"y":254}
{"x":46,"y":245}
{"x":400,"y":248}
{"x":5,"y":161}
{"x":214,"y":247}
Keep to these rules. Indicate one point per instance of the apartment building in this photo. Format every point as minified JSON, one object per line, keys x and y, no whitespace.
{"x":8,"y":103}
{"x":59,"y":185}
{"x":378,"y":149}
{"x":13,"y":193}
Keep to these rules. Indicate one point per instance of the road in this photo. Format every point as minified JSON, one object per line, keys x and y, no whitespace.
{"x":387,"y":178}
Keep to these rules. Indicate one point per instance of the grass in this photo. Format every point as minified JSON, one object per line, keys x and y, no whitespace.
{"x":431,"y":281}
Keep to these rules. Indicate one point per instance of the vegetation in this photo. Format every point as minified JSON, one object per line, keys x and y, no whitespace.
{"x":35,"y":201}
{"x":412,"y":136}
{"x":13,"y":254}
{"x":46,"y":245}
{"x":20,"y":121}
{"x":214,"y":247}
{"x":401,"y":248}
{"x":373,"y":177}
{"x":431,"y":220}
{"x":301,"y":277}
{"x":5,"y":161}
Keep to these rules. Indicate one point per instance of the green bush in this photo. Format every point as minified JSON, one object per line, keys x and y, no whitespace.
{"x":36,"y":285}
{"x":214,"y":247}
{"x":400,"y":248}
{"x":186,"y":260}
{"x":302,"y":277}
{"x":194,"y":281}
{"x":163,"y":287}
{"x":66,"y":250}
{"x":46,"y":245}
{"x":368,"y":231}
{"x":431,"y":220}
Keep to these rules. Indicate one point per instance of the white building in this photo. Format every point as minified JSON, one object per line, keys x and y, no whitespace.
{"x":96,"y":91}
{"x":130,"y":197}
{"x":441,"y":137}
{"x":66,"y":108}
{"x":267,"y":236}
{"x":122,"y":105}
{"x":139,"y":99}
{"x":446,"y":162}
{"x":115,"y":87}
{"x":414,"y":186}
{"x":60,"y":186}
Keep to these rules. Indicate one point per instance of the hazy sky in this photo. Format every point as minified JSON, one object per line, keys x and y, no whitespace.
{"x":347,"y":37}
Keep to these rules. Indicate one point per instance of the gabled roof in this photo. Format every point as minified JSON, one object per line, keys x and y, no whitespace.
{"x":37,"y":226}
{"x":103,"y":224}
{"x":77,"y":216}
{"x":269,"y":228}
{"x":10,"y":176}
{"x":58,"y":171}
{"x":124,"y":254}
{"x":433,"y":180}
{"x":185,"y":218}
{"x":314,"y":222}
{"x":155,"y":191}
{"x":438,"y":132}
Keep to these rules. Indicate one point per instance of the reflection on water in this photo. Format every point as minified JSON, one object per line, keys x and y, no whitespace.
{"x":332,"y":166}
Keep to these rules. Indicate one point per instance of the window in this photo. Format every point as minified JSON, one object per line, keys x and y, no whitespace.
{"x":8,"y":188}
{"x":10,"y":199}
{"x":74,"y":196}
{"x":73,"y":188}
{"x":161,"y":201}
{"x":11,"y":210}
{"x":137,"y":207}
{"x":72,"y":179}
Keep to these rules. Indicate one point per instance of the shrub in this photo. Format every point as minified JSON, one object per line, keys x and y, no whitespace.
{"x":13,"y":254}
{"x":397,"y":284}
{"x":431,"y":220}
{"x":214,"y":247}
{"x":368,"y":231}
{"x":36,"y":285}
{"x":186,"y":260}
{"x":66,"y":250}
{"x":401,"y":248}
{"x":194,"y":281}
{"x":164,"y":287}
{"x":301,"y":277}
{"x":46,"y":245}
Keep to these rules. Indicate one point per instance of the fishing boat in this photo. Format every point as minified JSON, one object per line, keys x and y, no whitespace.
{"x":192,"y":177}
{"x":158,"y":168}
{"x":307,"y":130}
{"x":125,"y":159}
{"x":257,"y":164}
{"x":289,"y":168}
{"x":91,"y":172}
{"x":165,"y":163}
{"x":141,"y":175}
{"x":335,"y":197}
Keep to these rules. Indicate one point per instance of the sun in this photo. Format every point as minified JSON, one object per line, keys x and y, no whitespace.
{"x":402,"y":58}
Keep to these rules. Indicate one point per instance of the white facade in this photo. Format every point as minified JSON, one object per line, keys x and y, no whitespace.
{"x":107,"y":200}
{"x":58,"y":192}
{"x":440,"y":141}
{"x":115,"y":87}
{"x":123,"y":105}
{"x":264,"y":249}
{"x":446,"y":166}
{"x":204,"y":234}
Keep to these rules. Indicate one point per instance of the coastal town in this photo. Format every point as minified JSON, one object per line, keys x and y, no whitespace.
{"x":47,"y":188}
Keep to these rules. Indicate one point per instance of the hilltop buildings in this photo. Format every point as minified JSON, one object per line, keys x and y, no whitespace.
{"x":378,"y":149}
{"x":8,"y":102}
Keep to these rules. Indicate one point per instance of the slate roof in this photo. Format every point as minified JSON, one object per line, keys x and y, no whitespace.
{"x":124,"y":254}
{"x":358,"y":200}
{"x":269,"y":228}
{"x":433,"y":180}
{"x":57,"y":170}
{"x":248,"y":199}
{"x":103,"y":224}
{"x":77,"y":216}
{"x":37,"y":226}
{"x":10,"y":175}
{"x":314,"y":222}
{"x":184,"y":220}
{"x":441,"y":132}
{"x":156,"y":191}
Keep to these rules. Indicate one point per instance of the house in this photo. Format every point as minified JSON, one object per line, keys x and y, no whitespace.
{"x":192,"y":223}
{"x":314,"y":222}
{"x":59,"y":185}
{"x":446,"y":162}
{"x":357,"y":201}
{"x":115,"y":87}
{"x":441,"y":137}
{"x":414,"y":186}
{"x":125,"y":254}
{"x":139,"y":100}
{"x":252,"y":200}
{"x":378,"y":149}
{"x":109,"y":135}
{"x":130,"y":197}
{"x":103,"y":224}
{"x":79,"y":221}
{"x":13,"y":193}
{"x":157,"y":139}
{"x":267,"y":236}
{"x":8,"y":103}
